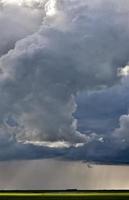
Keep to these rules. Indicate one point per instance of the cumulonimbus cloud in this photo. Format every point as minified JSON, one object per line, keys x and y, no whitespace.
{"x":78,"y":45}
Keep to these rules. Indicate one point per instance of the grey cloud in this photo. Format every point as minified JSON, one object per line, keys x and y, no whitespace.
{"x":122,"y":133}
{"x":79,"y":48}
{"x":16,"y":22}
{"x":99,"y":111}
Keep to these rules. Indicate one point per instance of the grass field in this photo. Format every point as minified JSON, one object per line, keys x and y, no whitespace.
{"x":66,"y":195}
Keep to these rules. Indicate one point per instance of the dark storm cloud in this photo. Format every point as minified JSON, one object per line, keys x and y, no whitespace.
{"x":99,"y":111}
{"x":12,"y":150}
{"x":94,"y":152}
{"x":79,"y":46}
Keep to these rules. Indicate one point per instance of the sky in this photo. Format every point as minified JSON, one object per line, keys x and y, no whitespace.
{"x":64,"y":81}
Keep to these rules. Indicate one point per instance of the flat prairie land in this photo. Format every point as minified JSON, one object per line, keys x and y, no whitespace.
{"x":58,"y":195}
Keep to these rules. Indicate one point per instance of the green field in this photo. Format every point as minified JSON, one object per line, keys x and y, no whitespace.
{"x":65,"y":195}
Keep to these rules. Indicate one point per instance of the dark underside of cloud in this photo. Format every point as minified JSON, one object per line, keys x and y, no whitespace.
{"x":93,"y":152}
{"x":64,"y":80}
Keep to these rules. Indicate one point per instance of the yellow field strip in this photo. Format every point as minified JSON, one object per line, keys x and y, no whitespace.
{"x":64,"y":194}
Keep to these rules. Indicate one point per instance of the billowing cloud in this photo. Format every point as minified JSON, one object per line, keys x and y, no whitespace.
{"x":16,"y":22}
{"x":122,"y":133}
{"x":58,"y":49}
{"x":99,"y":111}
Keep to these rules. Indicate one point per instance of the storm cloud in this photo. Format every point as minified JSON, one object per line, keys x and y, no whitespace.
{"x":56,"y":51}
